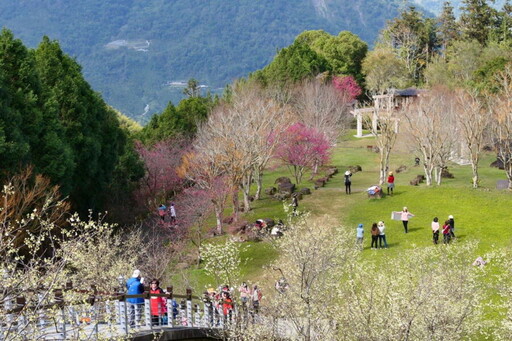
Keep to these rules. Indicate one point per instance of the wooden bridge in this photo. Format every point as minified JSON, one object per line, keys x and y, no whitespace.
{"x":97,"y":316}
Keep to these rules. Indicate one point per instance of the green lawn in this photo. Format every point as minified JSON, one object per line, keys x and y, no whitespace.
{"x":480,"y":214}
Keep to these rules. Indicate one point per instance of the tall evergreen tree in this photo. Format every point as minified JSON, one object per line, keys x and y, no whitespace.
{"x":477,"y":20}
{"x":448,"y":29}
{"x":21,"y":115}
{"x":90,"y":127}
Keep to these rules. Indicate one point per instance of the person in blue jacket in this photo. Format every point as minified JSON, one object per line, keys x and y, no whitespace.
{"x":135,"y":286}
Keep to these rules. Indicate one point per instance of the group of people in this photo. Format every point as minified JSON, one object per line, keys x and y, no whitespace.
{"x":221,"y":301}
{"x":448,"y":230}
{"x":378,"y":235}
{"x":158,"y":304}
{"x":164,"y":211}
{"x":348,"y":182}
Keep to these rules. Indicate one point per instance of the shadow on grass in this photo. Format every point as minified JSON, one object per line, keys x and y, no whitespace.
{"x":412,"y":229}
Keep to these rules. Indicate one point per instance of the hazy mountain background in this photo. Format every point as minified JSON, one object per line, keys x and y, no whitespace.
{"x":435,"y":6}
{"x":135,"y":52}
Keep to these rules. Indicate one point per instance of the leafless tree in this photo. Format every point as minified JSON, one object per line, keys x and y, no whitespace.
{"x":429,"y":123}
{"x":472,"y":121}
{"x":502,"y":122}
{"x":385,"y":131}
{"x":320,"y":105}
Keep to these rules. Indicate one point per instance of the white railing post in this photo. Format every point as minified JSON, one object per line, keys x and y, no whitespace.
{"x":207,"y":317}
{"x":147,"y":312}
{"x":189,"y":307}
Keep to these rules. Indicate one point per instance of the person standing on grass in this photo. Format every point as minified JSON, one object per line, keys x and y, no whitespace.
{"x":375,"y":235}
{"x":162,"y":210}
{"x":359,"y":236}
{"x":348,"y":182}
{"x":435,"y":230}
{"x":295,"y":204}
{"x":404,"y":216}
{"x":446,"y":232}
{"x":172,"y":213}
{"x":452,"y":226}
{"x":382,"y":234}
{"x":391,"y":183}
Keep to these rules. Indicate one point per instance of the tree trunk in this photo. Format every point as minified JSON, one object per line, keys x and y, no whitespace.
{"x":218,"y":217}
{"x":428,"y":174}
{"x":474,"y":168}
{"x":236,"y":205}
{"x":258,"y":175}
{"x":246,"y":189}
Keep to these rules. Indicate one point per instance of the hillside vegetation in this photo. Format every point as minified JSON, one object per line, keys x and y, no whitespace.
{"x":131,"y":49}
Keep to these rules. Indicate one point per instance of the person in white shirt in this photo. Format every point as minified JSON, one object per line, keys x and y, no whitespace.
{"x":435,"y":230}
{"x":382,"y":234}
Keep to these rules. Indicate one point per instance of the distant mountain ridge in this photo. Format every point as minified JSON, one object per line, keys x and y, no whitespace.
{"x":131,"y":50}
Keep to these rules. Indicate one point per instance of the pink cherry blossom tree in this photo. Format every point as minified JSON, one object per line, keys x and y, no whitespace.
{"x":347,"y":85}
{"x":161,"y":180}
{"x":302,"y":148}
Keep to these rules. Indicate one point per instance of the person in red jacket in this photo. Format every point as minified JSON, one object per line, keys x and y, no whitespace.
{"x":158,"y":304}
{"x":391,"y":183}
{"x":446,"y":232}
{"x":227,"y":306}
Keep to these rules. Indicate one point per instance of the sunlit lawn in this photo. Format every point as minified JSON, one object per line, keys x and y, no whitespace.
{"x":481,"y":214}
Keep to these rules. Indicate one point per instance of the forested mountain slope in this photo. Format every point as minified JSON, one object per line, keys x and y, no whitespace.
{"x":132,"y":50}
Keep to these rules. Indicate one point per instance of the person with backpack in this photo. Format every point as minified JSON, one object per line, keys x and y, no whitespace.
{"x":452,"y":226}
{"x":162,"y":210}
{"x":375,"y":235}
{"x":158,"y":304}
{"x":446,"y":232}
{"x":348,"y":182}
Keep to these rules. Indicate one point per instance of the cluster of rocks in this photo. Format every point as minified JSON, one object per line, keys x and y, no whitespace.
{"x":417,"y":180}
{"x":329,"y":173}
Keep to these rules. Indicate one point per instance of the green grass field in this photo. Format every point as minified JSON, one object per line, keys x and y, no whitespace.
{"x":480,"y":214}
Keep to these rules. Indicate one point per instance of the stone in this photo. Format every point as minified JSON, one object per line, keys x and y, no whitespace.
{"x":270,"y":190}
{"x":305,"y":191}
{"x":497,"y":164}
{"x":446,"y":174}
{"x":282,"y":196}
{"x":355,"y":169}
{"x":401,"y":169}
{"x":330,"y":172}
{"x":319,"y":183}
{"x":502,"y":184}
{"x":282,"y":180}
{"x":287,"y":188}
{"x":298,"y":195}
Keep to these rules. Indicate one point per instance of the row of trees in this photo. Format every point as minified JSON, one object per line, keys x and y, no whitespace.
{"x":443,"y":125}
{"x":51,"y":118}
{"x":414,"y":50}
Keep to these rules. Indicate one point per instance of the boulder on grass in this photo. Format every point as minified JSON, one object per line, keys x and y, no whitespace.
{"x":282,"y":196}
{"x":446,"y":174}
{"x":287,"y":188}
{"x":401,"y":169}
{"x":270,"y":190}
{"x":283,"y":180}
{"x":355,"y":169}
{"x":297,"y":195}
{"x":417,"y":180}
{"x":331,"y":171}
{"x":305,"y":191}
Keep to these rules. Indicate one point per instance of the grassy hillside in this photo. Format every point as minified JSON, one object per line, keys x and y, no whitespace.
{"x":480,"y":214}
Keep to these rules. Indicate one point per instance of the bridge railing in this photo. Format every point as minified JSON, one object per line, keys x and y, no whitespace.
{"x":96,"y":315}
